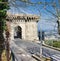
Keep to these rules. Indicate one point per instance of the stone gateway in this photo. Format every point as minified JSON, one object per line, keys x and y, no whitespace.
{"x":23,"y":26}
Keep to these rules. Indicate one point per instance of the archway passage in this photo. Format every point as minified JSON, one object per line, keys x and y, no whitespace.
{"x":18,"y":32}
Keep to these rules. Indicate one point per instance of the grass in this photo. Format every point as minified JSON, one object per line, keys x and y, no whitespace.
{"x":56,"y":44}
{"x":53,"y":43}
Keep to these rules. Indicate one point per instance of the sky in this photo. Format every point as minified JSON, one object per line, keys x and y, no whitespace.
{"x":47,"y":21}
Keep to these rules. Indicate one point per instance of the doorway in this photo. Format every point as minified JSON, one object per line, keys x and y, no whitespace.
{"x":18,"y":32}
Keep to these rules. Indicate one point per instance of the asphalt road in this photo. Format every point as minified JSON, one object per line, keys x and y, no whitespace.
{"x":19,"y":54}
{"x":34,"y":48}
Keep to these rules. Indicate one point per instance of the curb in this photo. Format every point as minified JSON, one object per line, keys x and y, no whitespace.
{"x":58,"y":49}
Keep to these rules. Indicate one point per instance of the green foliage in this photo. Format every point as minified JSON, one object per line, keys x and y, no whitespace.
{"x":2,"y":14}
{"x":56,"y":44}
{"x":3,"y":10}
{"x":53,"y":43}
{"x":3,"y":0}
{"x":49,"y":42}
{"x":3,"y":6}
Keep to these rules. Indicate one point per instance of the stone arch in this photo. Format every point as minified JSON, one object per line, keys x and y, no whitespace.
{"x":18,"y":32}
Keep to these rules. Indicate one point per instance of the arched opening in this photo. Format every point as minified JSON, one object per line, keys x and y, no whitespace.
{"x":18,"y":32}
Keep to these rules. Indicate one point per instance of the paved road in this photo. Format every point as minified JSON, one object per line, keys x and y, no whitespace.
{"x":54,"y":54}
{"x":19,"y":54}
{"x":34,"y":48}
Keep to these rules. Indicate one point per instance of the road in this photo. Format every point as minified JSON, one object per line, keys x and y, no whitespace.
{"x":19,"y":54}
{"x":34,"y":48}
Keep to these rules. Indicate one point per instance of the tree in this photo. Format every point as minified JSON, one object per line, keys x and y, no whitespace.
{"x":3,"y":9}
{"x":55,"y":4}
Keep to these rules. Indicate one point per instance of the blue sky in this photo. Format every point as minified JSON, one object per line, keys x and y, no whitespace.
{"x":47,"y":21}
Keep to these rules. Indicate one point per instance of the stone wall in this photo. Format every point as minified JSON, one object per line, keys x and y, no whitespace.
{"x":31,"y":31}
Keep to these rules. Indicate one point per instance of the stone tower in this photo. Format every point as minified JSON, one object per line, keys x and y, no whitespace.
{"x":23,"y":26}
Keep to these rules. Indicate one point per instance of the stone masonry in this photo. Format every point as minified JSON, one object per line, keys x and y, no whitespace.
{"x":28,"y":24}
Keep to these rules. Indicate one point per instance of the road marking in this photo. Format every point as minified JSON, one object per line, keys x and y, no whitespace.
{"x":56,"y":57}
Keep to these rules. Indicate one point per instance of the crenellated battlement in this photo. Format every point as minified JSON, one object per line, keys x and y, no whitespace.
{"x":22,"y":17}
